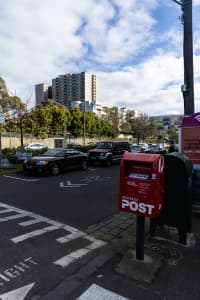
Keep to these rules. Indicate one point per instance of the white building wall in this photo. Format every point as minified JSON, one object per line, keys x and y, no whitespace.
{"x":41,"y":93}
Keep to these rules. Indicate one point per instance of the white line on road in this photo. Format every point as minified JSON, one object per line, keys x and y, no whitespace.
{"x":98,"y":293}
{"x":65,"y":261}
{"x":32,"y":215}
{"x":5,"y":210}
{"x":13,"y":217}
{"x":22,"y":179}
{"x":71,"y":234}
{"x":31,"y":222}
{"x":34,"y":233}
{"x":70,"y":237}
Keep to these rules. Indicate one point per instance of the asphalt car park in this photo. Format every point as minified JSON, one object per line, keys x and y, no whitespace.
{"x":43,"y":220}
{"x":77,"y":197}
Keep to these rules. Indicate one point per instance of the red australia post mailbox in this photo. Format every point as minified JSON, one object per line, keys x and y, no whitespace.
{"x":141,"y":184}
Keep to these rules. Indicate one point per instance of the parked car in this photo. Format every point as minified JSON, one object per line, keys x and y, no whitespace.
{"x":107,"y":152}
{"x":144,"y":146}
{"x":35,"y":146}
{"x":57,"y":160}
{"x":137,"y":148}
{"x":73,"y":145}
{"x":155,"y":149}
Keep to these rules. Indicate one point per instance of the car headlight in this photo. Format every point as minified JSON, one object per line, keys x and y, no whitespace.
{"x":41,"y":163}
{"x":102,"y":154}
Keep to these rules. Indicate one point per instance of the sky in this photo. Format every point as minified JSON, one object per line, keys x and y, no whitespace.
{"x":133,"y":46}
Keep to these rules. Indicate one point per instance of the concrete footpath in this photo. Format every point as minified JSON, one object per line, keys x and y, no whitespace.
{"x":169,"y":270}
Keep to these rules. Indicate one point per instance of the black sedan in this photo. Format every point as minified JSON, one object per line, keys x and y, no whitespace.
{"x":57,"y":160}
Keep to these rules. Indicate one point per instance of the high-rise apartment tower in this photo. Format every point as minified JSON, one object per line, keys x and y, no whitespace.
{"x":41,"y":93}
{"x":74,"y":90}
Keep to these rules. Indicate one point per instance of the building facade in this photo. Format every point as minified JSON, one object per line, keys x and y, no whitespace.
{"x":41,"y":93}
{"x":74,"y":90}
{"x":168,"y":120}
{"x":70,"y":90}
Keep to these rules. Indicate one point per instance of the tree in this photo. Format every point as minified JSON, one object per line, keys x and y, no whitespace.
{"x":125,"y":127}
{"x":48,"y":119}
{"x":76,"y":125}
{"x":60,"y":120}
{"x":140,"y":127}
{"x":173,"y":133}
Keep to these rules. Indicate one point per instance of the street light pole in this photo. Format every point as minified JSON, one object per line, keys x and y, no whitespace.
{"x":188,"y":93}
{"x":188,"y":87}
{"x":84,"y":123}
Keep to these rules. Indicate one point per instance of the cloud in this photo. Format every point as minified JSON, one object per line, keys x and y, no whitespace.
{"x":153,"y":86}
{"x":116,"y":39}
{"x":123,"y":32}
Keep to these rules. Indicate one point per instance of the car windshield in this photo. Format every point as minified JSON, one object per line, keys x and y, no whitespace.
{"x":136,"y":148}
{"x":54,"y":153}
{"x":105,"y":145}
{"x":154,"y":147}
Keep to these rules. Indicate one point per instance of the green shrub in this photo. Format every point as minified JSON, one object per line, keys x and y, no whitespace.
{"x":34,"y":152}
{"x":87,"y":147}
{"x":9,"y":153}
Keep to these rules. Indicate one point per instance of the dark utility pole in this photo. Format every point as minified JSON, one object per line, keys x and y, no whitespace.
{"x":188,"y":90}
{"x":188,"y":87}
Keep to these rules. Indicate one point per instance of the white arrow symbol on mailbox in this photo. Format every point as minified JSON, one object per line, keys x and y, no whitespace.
{"x":18,"y":294}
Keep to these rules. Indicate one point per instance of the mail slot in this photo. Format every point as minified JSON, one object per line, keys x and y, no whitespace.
{"x":141,"y":184}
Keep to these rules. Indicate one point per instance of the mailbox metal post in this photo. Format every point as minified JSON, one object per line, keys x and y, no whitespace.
{"x":141,"y":190}
{"x":140,"y":226}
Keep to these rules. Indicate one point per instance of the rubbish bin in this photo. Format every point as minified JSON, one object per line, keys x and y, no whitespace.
{"x":177,"y":206}
{"x":196,"y":190}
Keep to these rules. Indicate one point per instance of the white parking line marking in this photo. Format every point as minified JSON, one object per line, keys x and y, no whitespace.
{"x":22,"y":179}
{"x":31,"y":222}
{"x":33,"y":215}
{"x":5,"y":210}
{"x":71,"y":234}
{"x":12,"y":217}
{"x":98,"y":293}
{"x":70,"y":237}
{"x":65,"y":261}
{"x":34,"y":233}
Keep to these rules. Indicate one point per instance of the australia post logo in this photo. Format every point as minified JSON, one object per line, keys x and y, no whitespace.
{"x":139,"y":208}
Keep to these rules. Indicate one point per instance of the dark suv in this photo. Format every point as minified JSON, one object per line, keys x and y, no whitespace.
{"x":108,"y":152}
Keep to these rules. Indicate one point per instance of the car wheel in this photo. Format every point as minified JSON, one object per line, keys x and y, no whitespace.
{"x":84,"y":165}
{"x":91,"y":163}
{"x":55,"y":170}
{"x":109,"y":162}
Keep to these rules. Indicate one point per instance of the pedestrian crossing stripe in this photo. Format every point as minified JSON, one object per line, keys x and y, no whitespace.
{"x":98,"y":293}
